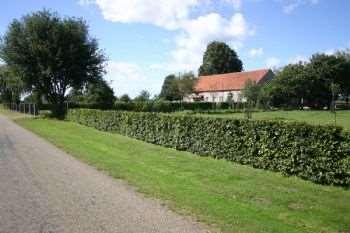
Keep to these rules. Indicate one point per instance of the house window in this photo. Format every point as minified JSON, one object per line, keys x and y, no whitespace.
{"x":213,"y":98}
{"x":206,"y":99}
{"x":221,"y":99}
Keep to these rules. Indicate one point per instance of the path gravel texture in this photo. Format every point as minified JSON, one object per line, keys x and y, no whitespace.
{"x":43,"y":189}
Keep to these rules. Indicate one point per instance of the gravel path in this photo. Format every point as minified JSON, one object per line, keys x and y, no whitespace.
{"x":42,"y":189}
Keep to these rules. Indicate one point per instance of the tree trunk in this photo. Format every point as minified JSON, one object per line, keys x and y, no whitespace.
{"x":58,"y":108}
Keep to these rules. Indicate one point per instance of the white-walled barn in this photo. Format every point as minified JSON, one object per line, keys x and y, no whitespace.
{"x":220,"y":87}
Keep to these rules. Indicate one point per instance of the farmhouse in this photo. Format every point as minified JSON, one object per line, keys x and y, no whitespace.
{"x":221,"y":87}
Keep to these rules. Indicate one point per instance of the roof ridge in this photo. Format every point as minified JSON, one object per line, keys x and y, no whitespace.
{"x":251,"y":71}
{"x":229,"y":81}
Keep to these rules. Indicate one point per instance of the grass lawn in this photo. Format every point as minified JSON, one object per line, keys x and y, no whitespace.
{"x":311,"y":117}
{"x":231,"y":197}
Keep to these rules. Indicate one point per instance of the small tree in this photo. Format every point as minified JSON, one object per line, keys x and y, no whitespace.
{"x":125,"y":98}
{"x":143,"y":96}
{"x":51,"y":55}
{"x":251,"y":92}
{"x":186,"y":83}
{"x":219,"y":58}
{"x":98,"y":93}
{"x":176,"y":88}
{"x":230,"y":100}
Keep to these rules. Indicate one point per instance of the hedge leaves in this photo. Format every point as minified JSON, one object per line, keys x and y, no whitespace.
{"x":317,"y":153}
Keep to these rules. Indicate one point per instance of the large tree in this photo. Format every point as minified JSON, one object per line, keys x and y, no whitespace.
{"x":291,"y":87}
{"x":52,"y":54}
{"x":219,"y":58}
{"x":327,"y":71}
{"x":311,"y":83}
{"x":170,"y":90}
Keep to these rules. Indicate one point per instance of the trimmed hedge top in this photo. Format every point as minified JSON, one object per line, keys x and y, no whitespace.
{"x":317,"y":153}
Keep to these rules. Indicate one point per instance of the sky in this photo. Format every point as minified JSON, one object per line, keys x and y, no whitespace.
{"x":145,"y":40}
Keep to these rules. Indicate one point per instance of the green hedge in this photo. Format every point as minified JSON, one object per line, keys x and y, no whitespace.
{"x":168,"y":106}
{"x":317,"y":153}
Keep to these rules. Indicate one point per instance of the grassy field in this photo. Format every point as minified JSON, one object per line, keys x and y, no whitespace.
{"x":311,"y":117}
{"x":231,"y":197}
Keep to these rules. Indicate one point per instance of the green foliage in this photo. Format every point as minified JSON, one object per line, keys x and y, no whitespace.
{"x":52,"y":55}
{"x":251,"y":92}
{"x":97,"y":93}
{"x":186,"y":83}
{"x":165,"y":106}
{"x":317,"y":153}
{"x":143,"y":96}
{"x":291,"y":86}
{"x":175,"y":88}
{"x":311,"y":83}
{"x":11,"y":86}
{"x":219,"y":58}
{"x":125,"y":98}
{"x":170,"y":90}
{"x":223,"y":194}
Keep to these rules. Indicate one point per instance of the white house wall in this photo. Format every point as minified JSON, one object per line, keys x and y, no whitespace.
{"x":217,"y":97}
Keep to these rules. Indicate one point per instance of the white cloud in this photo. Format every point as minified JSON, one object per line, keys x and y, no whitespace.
{"x":163,"y":13}
{"x":298,"y":58}
{"x":330,"y":51}
{"x":86,"y":2}
{"x":237,"y":4}
{"x":129,"y":78}
{"x":193,"y":33}
{"x":257,"y":52}
{"x":197,"y":33}
{"x":290,"y":5}
{"x":273,"y":62}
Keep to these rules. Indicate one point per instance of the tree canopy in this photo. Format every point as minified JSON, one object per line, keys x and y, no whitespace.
{"x":11,"y":86}
{"x":251,"y":92}
{"x":125,"y":98}
{"x":170,"y":90}
{"x":52,"y":54}
{"x":143,"y":96}
{"x":219,"y":58}
{"x":176,"y":87}
{"x":311,"y":83}
{"x":97,"y":93}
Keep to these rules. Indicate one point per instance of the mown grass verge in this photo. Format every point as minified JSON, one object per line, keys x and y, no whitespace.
{"x":232,"y":197}
{"x":308,"y":116}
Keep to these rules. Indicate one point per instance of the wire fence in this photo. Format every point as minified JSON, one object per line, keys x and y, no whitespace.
{"x":25,"y":108}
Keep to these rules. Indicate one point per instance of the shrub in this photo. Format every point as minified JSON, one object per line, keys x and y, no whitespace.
{"x":317,"y":153}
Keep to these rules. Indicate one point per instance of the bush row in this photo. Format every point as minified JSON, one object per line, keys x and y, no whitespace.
{"x":317,"y":153}
{"x":156,"y":106}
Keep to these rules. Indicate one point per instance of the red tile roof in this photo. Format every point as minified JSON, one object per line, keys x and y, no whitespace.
{"x":228,"y":82}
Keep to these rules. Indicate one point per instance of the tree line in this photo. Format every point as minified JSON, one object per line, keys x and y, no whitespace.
{"x":315,"y":83}
{"x":54,"y":60}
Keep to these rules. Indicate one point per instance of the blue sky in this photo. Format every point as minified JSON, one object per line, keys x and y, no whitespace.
{"x":147,"y":39}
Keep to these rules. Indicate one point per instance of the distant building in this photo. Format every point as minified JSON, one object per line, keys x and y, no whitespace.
{"x":221,"y":87}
